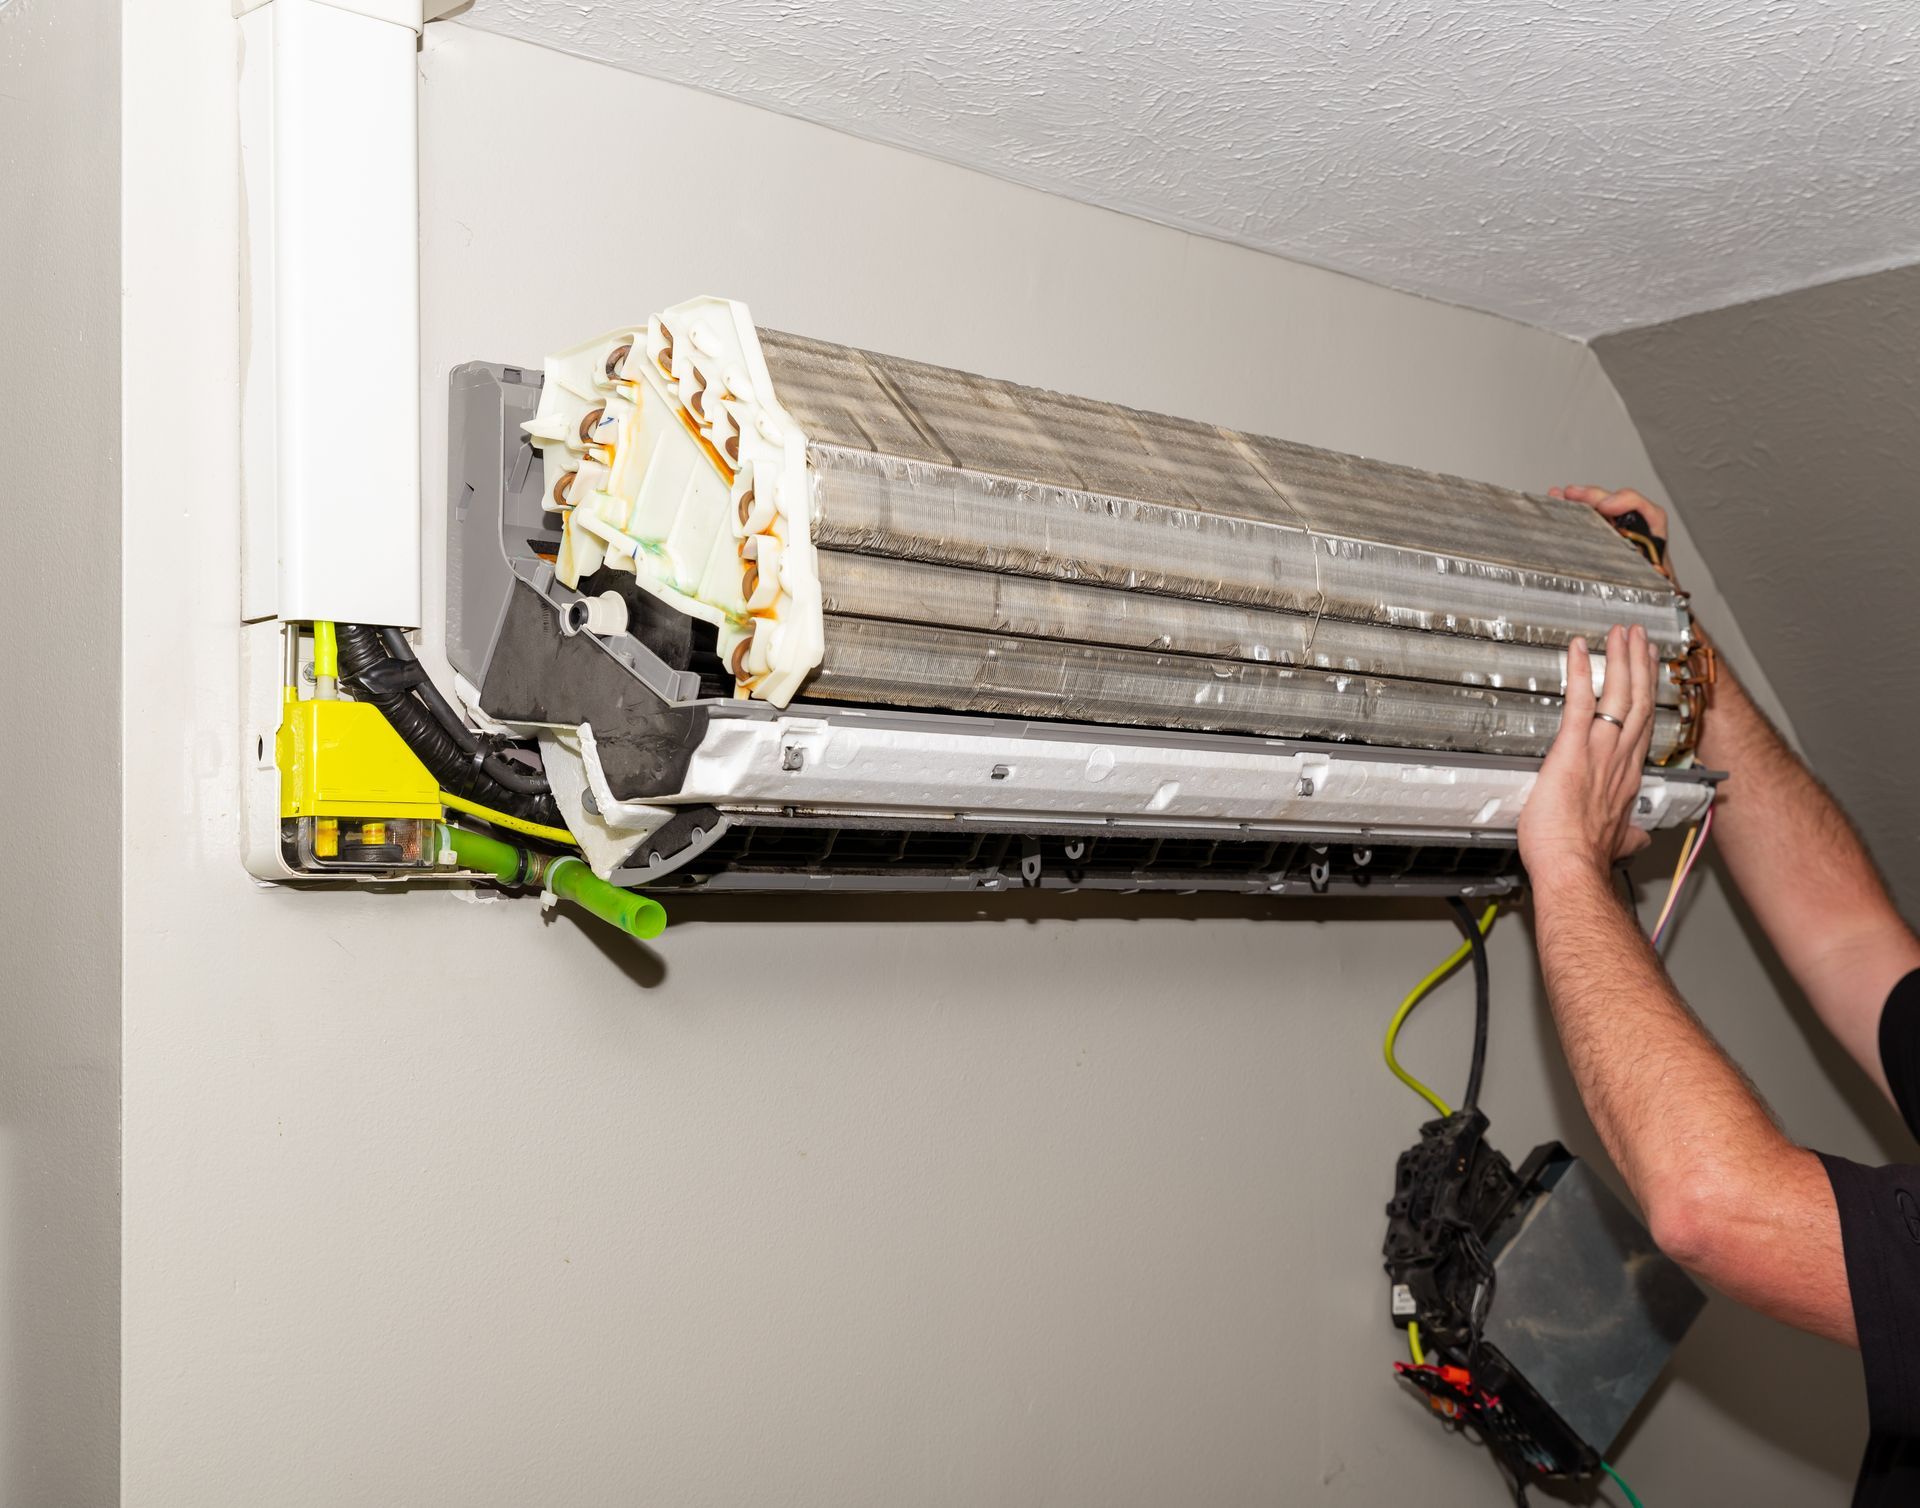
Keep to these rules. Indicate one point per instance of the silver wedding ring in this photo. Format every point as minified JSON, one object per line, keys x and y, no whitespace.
{"x":1608,"y":717}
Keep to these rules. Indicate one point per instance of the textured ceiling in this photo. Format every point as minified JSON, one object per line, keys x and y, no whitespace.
{"x":1786,"y":432}
{"x":1585,"y":165}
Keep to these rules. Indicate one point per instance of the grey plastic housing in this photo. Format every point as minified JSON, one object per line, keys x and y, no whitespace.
{"x":500,"y":529}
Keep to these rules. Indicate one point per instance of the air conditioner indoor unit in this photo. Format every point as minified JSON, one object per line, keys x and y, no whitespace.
{"x":786,"y":614}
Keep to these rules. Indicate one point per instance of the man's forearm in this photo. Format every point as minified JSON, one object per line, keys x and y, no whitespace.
{"x":1726,"y":1193}
{"x":1805,"y":872}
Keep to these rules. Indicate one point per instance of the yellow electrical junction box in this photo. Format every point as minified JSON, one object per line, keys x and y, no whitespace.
{"x":352,"y":794}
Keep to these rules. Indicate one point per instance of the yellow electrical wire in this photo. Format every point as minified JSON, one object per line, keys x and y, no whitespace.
{"x":1414,"y":997}
{"x":1413,"y":1343}
{"x":326,"y":651}
{"x":1673,"y":885}
{"x":502,"y":819}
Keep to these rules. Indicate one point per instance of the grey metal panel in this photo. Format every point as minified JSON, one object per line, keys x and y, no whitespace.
{"x":1587,"y":1307}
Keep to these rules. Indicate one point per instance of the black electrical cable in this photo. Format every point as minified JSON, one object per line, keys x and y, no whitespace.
{"x":389,"y":684}
{"x":395,"y":640}
{"x":1482,"y":990}
{"x":502,"y":769}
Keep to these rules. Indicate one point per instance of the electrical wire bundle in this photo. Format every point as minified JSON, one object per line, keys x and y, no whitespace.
{"x":1475,"y":945}
{"x":475,"y":771}
{"x":1690,"y":849}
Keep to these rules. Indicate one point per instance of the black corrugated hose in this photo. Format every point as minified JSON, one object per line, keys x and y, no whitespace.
{"x":504,"y":771}
{"x":461,"y":760}
{"x":1463,"y":918}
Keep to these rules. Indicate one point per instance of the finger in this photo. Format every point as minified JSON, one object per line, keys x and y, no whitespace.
{"x":1601,"y":498}
{"x":1612,"y":504}
{"x":1576,"y":710}
{"x":1579,"y":704}
{"x":1638,"y":665}
{"x":1616,"y":691}
{"x":1609,"y":501}
{"x":1632,"y":841}
{"x":1636,"y":738}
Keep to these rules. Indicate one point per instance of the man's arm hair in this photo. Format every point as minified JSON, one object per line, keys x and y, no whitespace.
{"x":1807,"y":875}
{"x":1727,"y":1195}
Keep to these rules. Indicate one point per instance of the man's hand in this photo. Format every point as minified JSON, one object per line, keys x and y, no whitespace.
{"x":1800,"y":864}
{"x":1615,"y":505}
{"x":1579,"y":814}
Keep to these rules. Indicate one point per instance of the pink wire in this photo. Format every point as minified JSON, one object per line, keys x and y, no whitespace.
{"x":1680,"y":880}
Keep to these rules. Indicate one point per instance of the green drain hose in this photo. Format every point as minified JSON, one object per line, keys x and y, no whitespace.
{"x":563,"y":875}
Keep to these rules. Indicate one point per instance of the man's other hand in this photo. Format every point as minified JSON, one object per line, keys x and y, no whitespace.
{"x":1613,"y":504}
{"x":1616,"y":506}
{"x":1580,"y":812}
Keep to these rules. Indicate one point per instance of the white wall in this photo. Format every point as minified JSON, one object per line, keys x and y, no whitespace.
{"x":433,"y":1201}
{"x":59,"y":681}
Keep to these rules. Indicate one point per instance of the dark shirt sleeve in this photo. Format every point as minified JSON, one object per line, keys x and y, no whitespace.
{"x":1880,"y":1229}
{"x":1900,"y":1047}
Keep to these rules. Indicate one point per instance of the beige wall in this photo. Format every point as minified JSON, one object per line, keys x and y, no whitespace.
{"x":59,"y":684}
{"x":436,"y":1201}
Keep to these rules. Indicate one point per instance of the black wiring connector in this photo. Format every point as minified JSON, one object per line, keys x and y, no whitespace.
{"x":1454,"y":1196}
{"x":460,"y":759}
